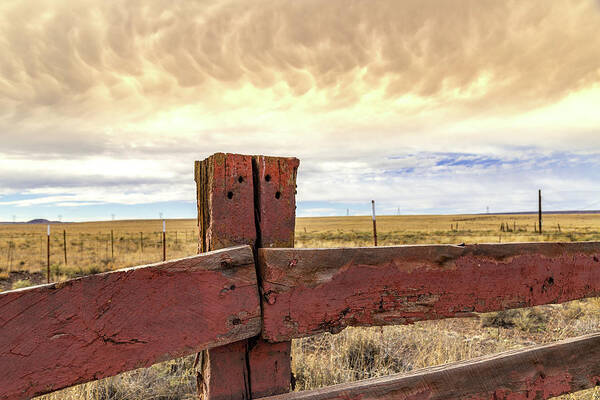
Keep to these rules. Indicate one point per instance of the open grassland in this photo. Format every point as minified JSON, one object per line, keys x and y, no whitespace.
{"x":92,"y":247}
{"x":100,"y":246}
{"x":448,"y":229}
{"x":355,"y":353}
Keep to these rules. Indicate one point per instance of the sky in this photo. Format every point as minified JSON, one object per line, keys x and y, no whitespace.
{"x":425,"y":106}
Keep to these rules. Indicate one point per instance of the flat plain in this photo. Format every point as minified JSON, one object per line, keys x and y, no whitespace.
{"x":355,"y":353}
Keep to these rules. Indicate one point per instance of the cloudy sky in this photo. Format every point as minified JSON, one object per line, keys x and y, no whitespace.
{"x":426,"y":106}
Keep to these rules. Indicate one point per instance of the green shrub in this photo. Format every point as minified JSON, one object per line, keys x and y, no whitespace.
{"x":21,"y":283}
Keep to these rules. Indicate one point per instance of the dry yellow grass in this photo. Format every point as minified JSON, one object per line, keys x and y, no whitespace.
{"x":452,"y":229}
{"x":358,"y":353}
{"x":23,"y":247}
{"x":89,"y":246}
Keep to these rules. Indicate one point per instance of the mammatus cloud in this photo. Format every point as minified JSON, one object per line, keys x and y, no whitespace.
{"x":92,"y":55}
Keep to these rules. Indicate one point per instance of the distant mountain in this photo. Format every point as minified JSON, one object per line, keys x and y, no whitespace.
{"x":39,"y":221}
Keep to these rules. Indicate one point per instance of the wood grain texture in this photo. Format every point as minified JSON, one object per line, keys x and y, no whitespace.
{"x":251,"y":200}
{"x":226,"y":216}
{"x":307,"y":291}
{"x":225,"y":193}
{"x":539,"y":372}
{"x":275,"y":186}
{"x":270,"y":367}
{"x":62,"y":334}
{"x":224,"y":372}
{"x":275,"y":203}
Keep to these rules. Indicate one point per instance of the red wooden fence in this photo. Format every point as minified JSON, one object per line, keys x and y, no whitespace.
{"x":240,"y":304}
{"x":57,"y":335}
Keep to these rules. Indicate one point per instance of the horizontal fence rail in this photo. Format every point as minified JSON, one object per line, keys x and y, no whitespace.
{"x":57,"y":335}
{"x":308,"y":291}
{"x":539,"y":372}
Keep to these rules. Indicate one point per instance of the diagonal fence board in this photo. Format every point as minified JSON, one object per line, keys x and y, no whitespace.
{"x":539,"y":372}
{"x":308,"y":291}
{"x":57,"y":335}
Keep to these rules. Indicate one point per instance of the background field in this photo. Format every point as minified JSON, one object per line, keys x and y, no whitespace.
{"x":356,"y":353}
{"x":90,"y":249}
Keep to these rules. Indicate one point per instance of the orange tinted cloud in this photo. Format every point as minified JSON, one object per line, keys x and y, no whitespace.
{"x":493,"y":54}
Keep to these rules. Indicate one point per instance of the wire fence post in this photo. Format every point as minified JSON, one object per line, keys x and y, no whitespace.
{"x":112,"y":245}
{"x":48,"y":256}
{"x":540,"y":210}
{"x":9,"y":256}
{"x":164,"y":240}
{"x":374,"y":223}
{"x":65,"y":244}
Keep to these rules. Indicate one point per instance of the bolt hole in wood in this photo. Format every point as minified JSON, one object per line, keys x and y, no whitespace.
{"x":278,"y":195}
{"x":241,"y":179}
{"x":230,"y":195}
{"x":268,"y":178}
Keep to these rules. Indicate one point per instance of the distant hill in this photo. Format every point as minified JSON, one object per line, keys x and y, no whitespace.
{"x":37,"y":221}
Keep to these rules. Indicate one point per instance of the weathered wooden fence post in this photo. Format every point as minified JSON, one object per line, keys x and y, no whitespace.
{"x":245,"y":200}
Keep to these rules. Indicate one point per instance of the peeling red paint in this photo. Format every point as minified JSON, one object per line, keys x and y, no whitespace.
{"x":276,"y":200}
{"x":329,"y":289}
{"x":225,"y":201}
{"x":259,"y":210}
{"x":595,"y":380}
{"x":101,"y":325}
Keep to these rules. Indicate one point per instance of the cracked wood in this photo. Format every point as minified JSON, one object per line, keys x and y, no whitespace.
{"x":250,"y":200}
{"x":539,"y":372}
{"x":307,"y":291}
{"x":58,"y":335}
